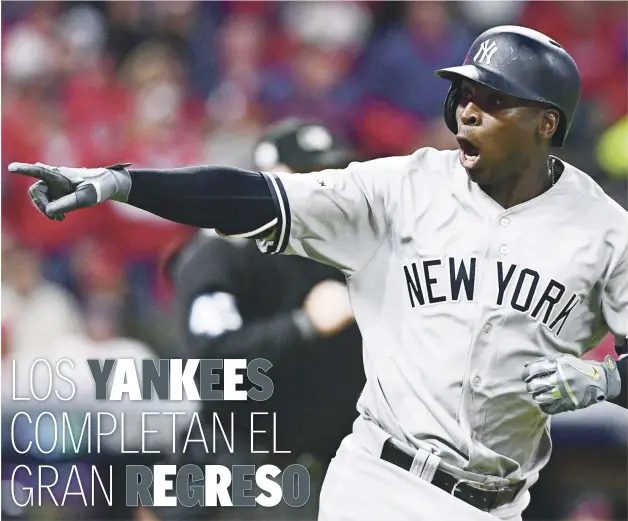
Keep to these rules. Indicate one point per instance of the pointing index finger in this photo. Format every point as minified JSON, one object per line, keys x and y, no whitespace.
{"x":36,"y":171}
{"x":26,"y":169}
{"x":58,"y":184}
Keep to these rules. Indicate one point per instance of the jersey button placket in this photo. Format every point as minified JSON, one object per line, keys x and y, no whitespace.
{"x":481,"y":343}
{"x":504,"y":222}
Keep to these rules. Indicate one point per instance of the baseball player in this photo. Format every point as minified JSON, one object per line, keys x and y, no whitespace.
{"x":477,"y":278}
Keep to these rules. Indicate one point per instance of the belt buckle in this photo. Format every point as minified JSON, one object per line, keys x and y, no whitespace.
{"x":458,"y":483}
{"x":480,"y":487}
{"x":470,"y":497}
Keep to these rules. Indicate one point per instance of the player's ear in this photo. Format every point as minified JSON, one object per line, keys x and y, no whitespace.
{"x":548,"y":124}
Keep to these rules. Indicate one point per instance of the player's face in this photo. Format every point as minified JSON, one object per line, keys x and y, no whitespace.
{"x":497,"y":133}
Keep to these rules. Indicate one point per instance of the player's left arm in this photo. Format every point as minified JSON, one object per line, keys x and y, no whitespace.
{"x":565,"y":382}
{"x":615,"y":313}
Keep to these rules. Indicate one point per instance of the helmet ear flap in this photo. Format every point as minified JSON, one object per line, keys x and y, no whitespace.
{"x":451,"y":103}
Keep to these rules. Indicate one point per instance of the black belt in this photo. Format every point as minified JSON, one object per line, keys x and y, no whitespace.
{"x":480,"y":498}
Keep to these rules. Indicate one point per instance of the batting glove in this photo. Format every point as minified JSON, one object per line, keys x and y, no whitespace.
{"x":60,"y":189}
{"x":566,"y":383}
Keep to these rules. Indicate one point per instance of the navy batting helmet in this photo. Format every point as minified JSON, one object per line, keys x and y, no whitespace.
{"x":304,"y":145}
{"x":523,"y":63}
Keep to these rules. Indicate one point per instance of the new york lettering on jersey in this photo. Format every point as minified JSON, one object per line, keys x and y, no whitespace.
{"x":524,"y":289}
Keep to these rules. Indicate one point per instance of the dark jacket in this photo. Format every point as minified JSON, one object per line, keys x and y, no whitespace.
{"x":317,"y":381}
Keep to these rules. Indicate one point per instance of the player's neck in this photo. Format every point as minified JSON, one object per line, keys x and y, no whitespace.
{"x":521,"y":186}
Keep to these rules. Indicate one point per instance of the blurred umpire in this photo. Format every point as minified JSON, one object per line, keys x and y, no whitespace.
{"x":233,"y":302}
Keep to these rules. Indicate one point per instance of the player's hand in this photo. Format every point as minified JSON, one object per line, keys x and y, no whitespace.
{"x":60,"y":189}
{"x":566,"y":383}
{"x":328,"y":307}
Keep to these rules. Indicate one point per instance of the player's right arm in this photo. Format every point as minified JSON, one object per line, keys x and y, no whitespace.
{"x":235,"y":201}
{"x":338,"y":217}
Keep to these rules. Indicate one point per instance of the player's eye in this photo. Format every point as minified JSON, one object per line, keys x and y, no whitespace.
{"x":495,"y":101}
{"x":465,"y":97}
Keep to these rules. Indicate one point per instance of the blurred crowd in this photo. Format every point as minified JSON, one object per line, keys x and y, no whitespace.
{"x":175,"y":83}
{"x":164,"y":84}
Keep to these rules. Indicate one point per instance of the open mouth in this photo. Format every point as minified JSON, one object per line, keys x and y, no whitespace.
{"x":469,"y":153}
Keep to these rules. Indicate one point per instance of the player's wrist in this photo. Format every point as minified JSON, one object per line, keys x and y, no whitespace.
{"x":613,"y":379}
{"x":121,"y":182}
{"x":621,"y":376}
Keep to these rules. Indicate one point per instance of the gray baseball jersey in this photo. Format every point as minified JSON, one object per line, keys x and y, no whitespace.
{"x":454,"y":294}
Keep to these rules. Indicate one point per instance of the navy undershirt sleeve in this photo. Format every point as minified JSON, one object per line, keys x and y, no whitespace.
{"x":231,"y":200}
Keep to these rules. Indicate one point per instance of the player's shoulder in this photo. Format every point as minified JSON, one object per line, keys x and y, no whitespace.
{"x":423,"y":161}
{"x":594,"y":198}
{"x":422,"y":157}
{"x":440,"y":164}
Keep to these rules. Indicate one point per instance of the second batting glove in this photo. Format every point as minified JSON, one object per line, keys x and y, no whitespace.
{"x":566,"y":383}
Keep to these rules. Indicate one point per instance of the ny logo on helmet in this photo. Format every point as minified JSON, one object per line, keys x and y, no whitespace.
{"x":485,"y":52}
